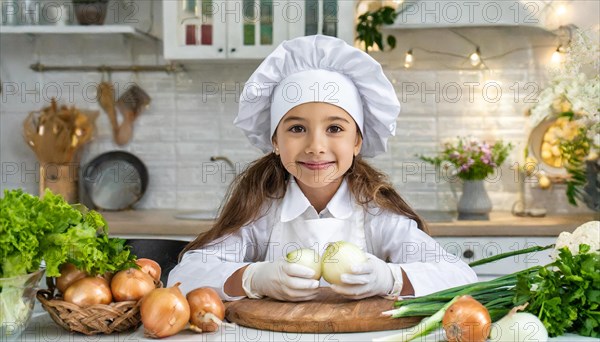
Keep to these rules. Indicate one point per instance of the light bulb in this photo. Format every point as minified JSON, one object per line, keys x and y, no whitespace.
{"x":475,"y":58}
{"x":562,"y":9}
{"x":408,"y":59}
{"x":557,"y":56}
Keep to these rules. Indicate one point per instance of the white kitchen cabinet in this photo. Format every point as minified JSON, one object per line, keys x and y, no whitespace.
{"x":222,"y":29}
{"x":476,"y":248}
{"x":328,"y":17}
{"x":248,"y":29}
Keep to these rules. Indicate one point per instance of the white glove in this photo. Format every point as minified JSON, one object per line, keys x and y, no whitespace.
{"x":373,"y":278}
{"x":280,"y":280}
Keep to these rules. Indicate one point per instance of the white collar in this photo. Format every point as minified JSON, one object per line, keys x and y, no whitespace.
{"x":295,"y":202}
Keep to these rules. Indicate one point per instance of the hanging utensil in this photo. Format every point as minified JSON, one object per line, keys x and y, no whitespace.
{"x":30,"y":132}
{"x":133,"y":101}
{"x":57,"y":134}
{"x":106,"y":98}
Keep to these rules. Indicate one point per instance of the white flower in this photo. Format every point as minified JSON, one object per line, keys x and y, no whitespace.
{"x":570,"y":83}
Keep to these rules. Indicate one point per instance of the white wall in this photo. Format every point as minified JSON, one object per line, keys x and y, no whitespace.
{"x":186,"y":125}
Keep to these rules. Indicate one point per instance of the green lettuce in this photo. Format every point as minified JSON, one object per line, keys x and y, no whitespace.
{"x":52,"y":230}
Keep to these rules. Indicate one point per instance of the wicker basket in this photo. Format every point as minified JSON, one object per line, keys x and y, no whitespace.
{"x":93,"y":319}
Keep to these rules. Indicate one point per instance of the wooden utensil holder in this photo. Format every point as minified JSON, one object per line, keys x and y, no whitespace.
{"x":61,"y":179}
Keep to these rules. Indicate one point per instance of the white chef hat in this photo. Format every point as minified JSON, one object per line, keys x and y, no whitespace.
{"x":319,"y":69}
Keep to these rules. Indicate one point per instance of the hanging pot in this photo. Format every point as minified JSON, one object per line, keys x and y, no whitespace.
{"x":474,"y":203}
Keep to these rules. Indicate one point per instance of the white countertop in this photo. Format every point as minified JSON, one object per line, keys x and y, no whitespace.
{"x":43,"y":329}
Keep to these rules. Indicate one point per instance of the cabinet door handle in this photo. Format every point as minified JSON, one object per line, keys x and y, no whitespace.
{"x":220,"y":50}
{"x":232,"y":49}
{"x":468,"y":254}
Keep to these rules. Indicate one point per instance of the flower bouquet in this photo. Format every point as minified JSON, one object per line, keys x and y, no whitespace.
{"x":471,"y":159}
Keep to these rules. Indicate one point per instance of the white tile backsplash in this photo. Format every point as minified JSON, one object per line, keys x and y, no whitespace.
{"x":190,"y":120}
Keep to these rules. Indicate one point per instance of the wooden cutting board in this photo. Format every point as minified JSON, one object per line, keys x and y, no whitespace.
{"x":328,"y":313}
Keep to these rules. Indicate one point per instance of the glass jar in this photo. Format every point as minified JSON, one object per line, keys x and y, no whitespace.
{"x":17,"y":298}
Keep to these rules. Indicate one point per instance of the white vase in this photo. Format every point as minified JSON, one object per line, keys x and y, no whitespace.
{"x":474,"y":203}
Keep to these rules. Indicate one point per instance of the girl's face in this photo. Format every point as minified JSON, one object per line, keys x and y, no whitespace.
{"x":317,"y":142}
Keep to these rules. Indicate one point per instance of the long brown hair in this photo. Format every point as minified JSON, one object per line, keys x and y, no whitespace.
{"x":266,"y":179}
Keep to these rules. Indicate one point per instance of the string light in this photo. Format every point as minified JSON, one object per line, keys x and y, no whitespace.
{"x":557,"y":55}
{"x":409,"y":59}
{"x":475,"y":57}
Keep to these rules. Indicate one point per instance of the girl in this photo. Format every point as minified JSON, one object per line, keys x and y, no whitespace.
{"x":316,"y":106}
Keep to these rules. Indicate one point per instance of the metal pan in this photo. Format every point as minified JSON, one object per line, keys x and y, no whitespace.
{"x":115,"y":180}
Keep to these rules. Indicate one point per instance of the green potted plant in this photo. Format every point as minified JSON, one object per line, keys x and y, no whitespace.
{"x":368,"y":27}
{"x":90,"y":12}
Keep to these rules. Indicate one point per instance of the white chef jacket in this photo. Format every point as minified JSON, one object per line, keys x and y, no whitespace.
{"x":389,"y":236}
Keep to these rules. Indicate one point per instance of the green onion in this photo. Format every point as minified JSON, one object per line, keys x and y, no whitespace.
{"x":496,"y":295}
{"x":423,"y":328}
{"x":509,"y":254}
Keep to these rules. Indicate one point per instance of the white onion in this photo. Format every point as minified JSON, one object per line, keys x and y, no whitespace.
{"x":519,"y":326}
{"x":306,"y":257}
{"x":339,"y":258}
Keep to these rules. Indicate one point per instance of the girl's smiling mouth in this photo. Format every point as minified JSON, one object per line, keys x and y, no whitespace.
{"x":316,"y":165}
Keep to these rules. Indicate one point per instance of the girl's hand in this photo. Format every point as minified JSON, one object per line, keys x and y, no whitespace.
{"x":373,"y":278}
{"x":280,"y":280}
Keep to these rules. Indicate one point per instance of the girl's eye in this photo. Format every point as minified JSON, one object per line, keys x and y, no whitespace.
{"x":296,"y":129}
{"x":334,"y":129}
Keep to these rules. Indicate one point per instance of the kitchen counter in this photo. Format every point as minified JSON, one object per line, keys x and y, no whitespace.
{"x":136,"y":223}
{"x":161,"y":223}
{"x":42,"y":328}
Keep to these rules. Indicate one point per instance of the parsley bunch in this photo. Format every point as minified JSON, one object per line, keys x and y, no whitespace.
{"x":565,"y":294}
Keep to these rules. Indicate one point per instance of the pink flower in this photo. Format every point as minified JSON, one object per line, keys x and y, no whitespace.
{"x":467,"y":166}
{"x":485,"y":148}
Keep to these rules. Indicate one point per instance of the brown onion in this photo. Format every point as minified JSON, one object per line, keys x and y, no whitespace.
{"x":466,"y":320}
{"x":150,"y":267}
{"x":131,"y":284}
{"x":68,"y":275}
{"x":207,"y":309}
{"x":88,"y":291}
{"x":165,"y":312}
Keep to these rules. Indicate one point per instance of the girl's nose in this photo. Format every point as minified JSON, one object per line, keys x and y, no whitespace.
{"x":316,"y":144}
